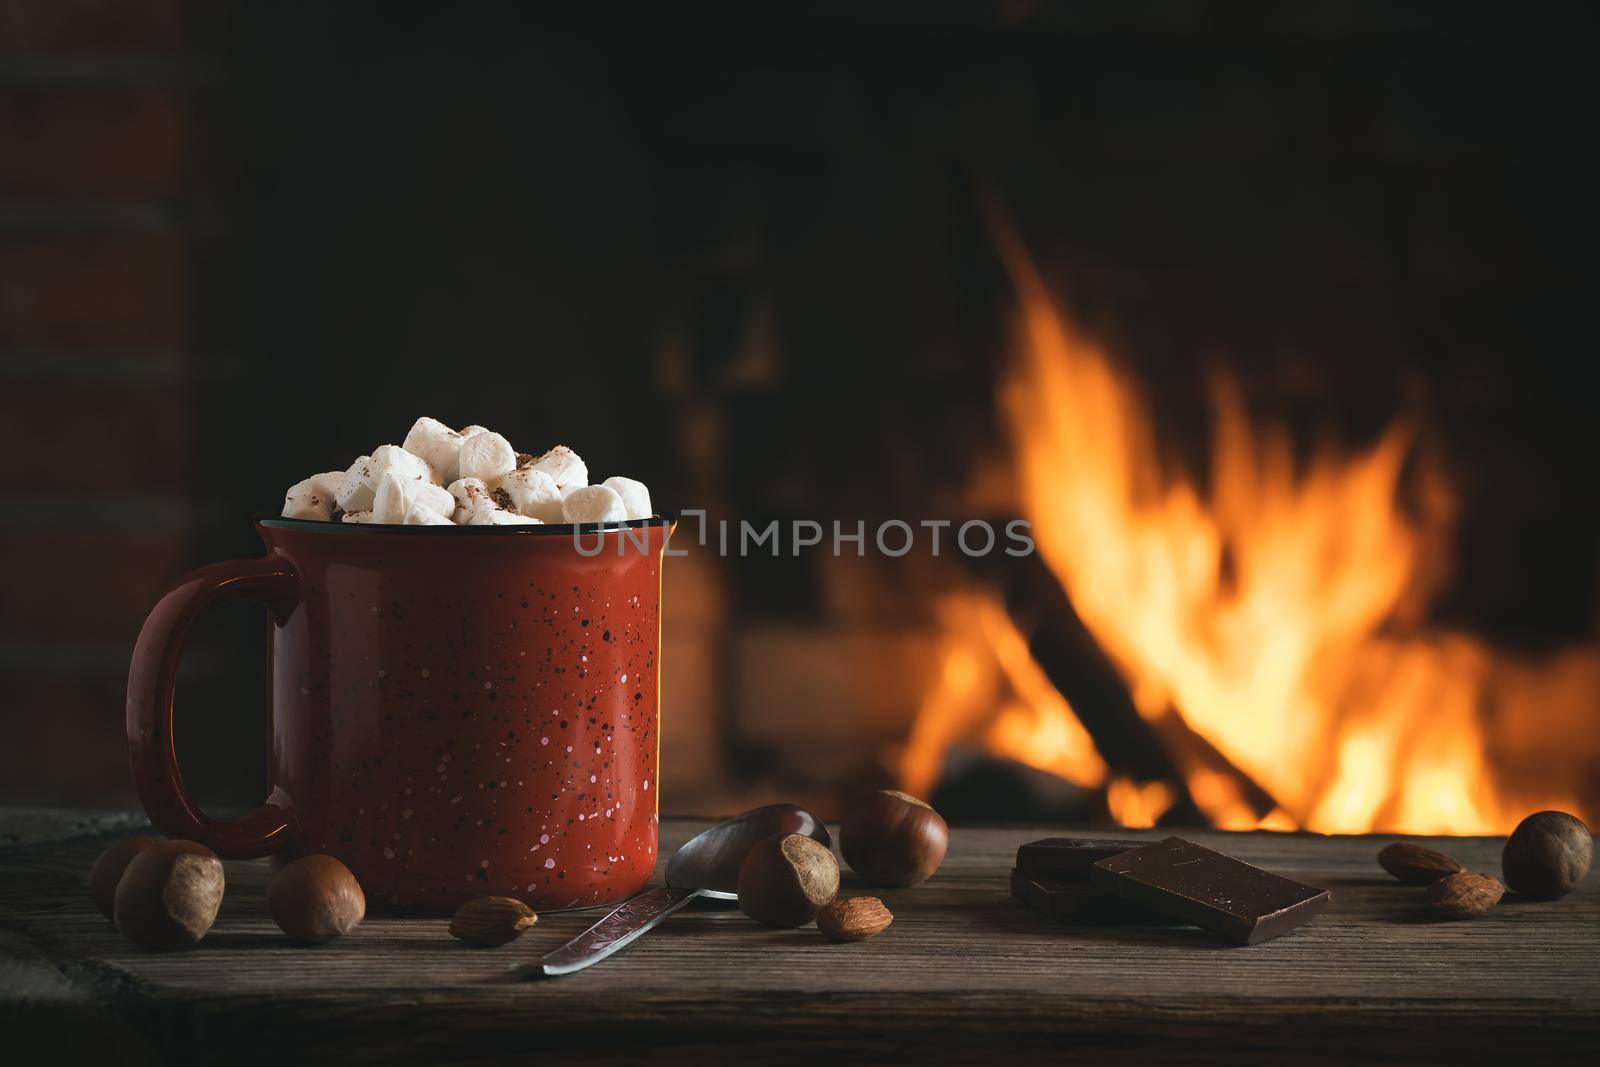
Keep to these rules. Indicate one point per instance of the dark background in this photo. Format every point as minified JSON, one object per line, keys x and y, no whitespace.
{"x":744,"y":258}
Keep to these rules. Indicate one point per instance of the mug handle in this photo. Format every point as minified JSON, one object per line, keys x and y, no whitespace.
{"x":152,"y":679}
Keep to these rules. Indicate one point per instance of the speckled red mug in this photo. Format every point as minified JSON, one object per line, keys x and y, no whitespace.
{"x":456,"y":712}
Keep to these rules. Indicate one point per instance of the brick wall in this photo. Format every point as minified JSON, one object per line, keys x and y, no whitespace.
{"x":97,"y":184}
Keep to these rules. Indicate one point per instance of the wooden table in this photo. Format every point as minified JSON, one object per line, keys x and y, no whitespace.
{"x":965,"y":973}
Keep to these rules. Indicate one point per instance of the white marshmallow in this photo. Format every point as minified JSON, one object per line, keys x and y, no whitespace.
{"x":473,"y":430}
{"x":393,"y":458}
{"x":355,"y":487}
{"x":534,"y":493}
{"x":501,"y":517}
{"x":312,"y":498}
{"x":404,"y":500}
{"x":357,"y":516}
{"x":437,"y":498}
{"x":391,"y":502}
{"x":476,"y":506}
{"x":438,"y":444}
{"x":564,"y":468}
{"x":426,"y":517}
{"x":471,"y":496}
{"x":468,"y":492}
{"x":487,"y":456}
{"x":635,"y":496}
{"x":594,"y":503}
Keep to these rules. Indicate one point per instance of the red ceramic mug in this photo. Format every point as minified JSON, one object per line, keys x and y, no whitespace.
{"x":456,"y":712}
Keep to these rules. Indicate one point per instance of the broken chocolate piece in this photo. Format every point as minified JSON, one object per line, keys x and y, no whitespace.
{"x":1076,"y":902}
{"x":1068,"y":859}
{"x":1229,"y":897}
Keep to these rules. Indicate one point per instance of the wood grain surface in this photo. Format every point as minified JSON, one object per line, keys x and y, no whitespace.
{"x":964,"y":974}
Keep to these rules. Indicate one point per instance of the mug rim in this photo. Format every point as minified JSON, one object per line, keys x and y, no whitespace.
{"x":550,"y":529}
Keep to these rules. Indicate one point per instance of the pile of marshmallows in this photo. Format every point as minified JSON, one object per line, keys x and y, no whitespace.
{"x":441,"y":477}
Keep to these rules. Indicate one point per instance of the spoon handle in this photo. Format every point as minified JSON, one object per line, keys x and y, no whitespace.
{"x":617,"y":929}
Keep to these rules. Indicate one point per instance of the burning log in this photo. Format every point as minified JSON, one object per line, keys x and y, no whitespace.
{"x":1162,"y":750}
{"x":1075,"y":663}
{"x":977,"y":787}
{"x":1077,"y":666}
{"x":1214,"y":781}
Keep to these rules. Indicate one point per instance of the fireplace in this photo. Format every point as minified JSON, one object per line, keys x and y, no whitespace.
{"x":1252,"y":647}
{"x":1262,"y":315}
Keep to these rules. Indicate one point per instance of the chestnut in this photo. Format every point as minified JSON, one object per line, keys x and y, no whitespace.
{"x":785,"y":878}
{"x":893,"y":839}
{"x":168,"y":895}
{"x":1547,"y":855}
{"x":315,"y":898}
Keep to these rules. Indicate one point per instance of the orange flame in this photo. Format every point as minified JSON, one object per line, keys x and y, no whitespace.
{"x":1138,"y":804}
{"x":985,"y":658}
{"x":1269,"y":615}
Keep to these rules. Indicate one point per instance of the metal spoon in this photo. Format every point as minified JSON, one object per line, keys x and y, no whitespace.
{"x":706,"y":866}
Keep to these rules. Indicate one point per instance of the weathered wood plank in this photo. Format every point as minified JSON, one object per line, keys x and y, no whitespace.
{"x":30,"y":826}
{"x":962,"y":971}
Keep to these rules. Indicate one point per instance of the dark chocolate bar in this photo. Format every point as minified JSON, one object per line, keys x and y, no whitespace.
{"x":1071,"y":902}
{"x":1068,"y":859}
{"x":1229,"y":897}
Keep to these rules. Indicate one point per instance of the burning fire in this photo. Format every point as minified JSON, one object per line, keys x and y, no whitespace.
{"x":1273,"y":617}
{"x":984,"y":654}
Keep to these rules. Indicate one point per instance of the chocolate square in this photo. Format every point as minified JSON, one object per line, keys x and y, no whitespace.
{"x":1071,"y":902}
{"x":1068,"y":859}
{"x":1229,"y":897}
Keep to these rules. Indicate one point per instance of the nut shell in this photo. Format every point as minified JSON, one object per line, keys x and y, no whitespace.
{"x":893,"y":839}
{"x":1547,"y":855}
{"x":108,"y":868}
{"x":168,"y":895}
{"x":785,"y":878}
{"x":491,"y":921}
{"x":1415,"y":865}
{"x":855,"y":919}
{"x":316,"y":899}
{"x":1465,"y":895}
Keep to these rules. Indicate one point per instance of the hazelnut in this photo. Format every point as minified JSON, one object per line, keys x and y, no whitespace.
{"x":107,"y":870}
{"x":1547,"y":855}
{"x":855,"y":919}
{"x":785,"y":878}
{"x":168,"y":895}
{"x":893,"y":839}
{"x":491,"y":921}
{"x":316,"y":898}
